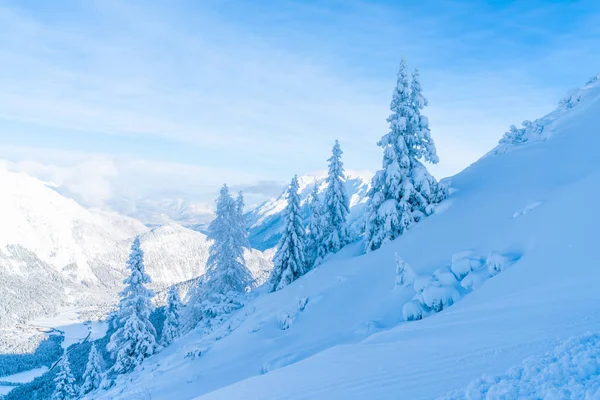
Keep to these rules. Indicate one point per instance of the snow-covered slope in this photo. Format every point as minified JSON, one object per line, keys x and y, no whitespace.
{"x":265,"y":222}
{"x":338,"y":332}
{"x":54,"y":252}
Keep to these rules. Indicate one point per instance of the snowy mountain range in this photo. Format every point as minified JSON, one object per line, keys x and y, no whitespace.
{"x":156,"y":212}
{"x":265,"y":223}
{"x":56,"y":253}
{"x":506,"y":269}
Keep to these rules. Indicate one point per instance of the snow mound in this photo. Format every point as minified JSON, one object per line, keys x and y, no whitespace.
{"x":571,"y":371}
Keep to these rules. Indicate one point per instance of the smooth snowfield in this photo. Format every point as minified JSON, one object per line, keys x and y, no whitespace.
{"x":338,"y":332}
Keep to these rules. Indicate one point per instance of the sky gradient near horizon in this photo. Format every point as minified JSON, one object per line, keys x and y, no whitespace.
{"x":112,"y":99}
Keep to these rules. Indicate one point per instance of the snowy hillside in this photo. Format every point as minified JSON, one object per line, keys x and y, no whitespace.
{"x":509,"y":260}
{"x":54,"y":252}
{"x":265,"y":222}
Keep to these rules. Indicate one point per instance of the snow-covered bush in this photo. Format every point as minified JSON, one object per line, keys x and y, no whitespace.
{"x":437,"y":296}
{"x":464,"y":262}
{"x":286,"y":319}
{"x":415,"y":310}
{"x":496,"y":263}
{"x":448,"y":284}
{"x":405,"y":276}
{"x":570,"y":101}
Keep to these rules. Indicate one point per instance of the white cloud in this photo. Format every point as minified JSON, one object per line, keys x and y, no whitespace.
{"x":108,"y":181}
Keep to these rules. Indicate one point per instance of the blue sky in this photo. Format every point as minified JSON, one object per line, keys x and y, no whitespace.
{"x":113,"y":99}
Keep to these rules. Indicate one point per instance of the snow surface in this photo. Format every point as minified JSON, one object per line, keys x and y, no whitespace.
{"x":9,"y":382}
{"x":349,"y":340}
{"x":26,"y":376}
{"x":570,"y":371}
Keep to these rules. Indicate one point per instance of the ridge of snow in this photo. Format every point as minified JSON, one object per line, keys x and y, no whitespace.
{"x":543,"y":128}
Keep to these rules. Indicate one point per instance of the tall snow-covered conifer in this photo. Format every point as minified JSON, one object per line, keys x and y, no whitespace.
{"x":226,"y":268}
{"x":403,"y":192}
{"x":92,"y":376}
{"x":336,"y":203}
{"x":289,"y":263}
{"x":171,"y":326}
{"x":314,"y":244}
{"x":64,"y":382}
{"x":135,"y":338}
{"x":227,"y":277}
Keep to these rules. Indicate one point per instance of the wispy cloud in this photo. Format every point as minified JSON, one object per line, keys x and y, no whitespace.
{"x":152,"y":97}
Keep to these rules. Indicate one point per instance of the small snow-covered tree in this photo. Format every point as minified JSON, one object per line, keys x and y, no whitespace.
{"x":171,"y":326}
{"x":336,"y":203}
{"x":403,"y":192}
{"x":92,"y":376}
{"x":289,"y":263}
{"x":405,"y":276}
{"x":314,"y":243}
{"x":64,"y":382}
{"x":135,"y":338}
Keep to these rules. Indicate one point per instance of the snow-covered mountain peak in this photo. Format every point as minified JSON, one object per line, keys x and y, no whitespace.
{"x":264,"y":222}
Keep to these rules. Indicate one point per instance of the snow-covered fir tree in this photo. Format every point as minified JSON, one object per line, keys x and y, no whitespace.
{"x":403,"y":192}
{"x":314,"y":243}
{"x":336,"y":203}
{"x":172,"y":325}
{"x":92,"y":376}
{"x":242,"y":224}
{"x":135,"y":338}
{"x":227,"y":277}
{"x":289,"y":263}
{"x":64,"y":382}
{"x":226,"y":268}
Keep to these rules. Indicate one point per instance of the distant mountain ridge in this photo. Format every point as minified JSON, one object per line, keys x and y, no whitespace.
{"x":54,"y":252}
{"x":265,"y":222}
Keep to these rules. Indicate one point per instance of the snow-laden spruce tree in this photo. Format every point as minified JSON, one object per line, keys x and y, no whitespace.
{"x":336,"y":203}
{"x":92,"y":376}
{"x":64,"y":382}
{"x":226,"y":268}
{"x":289,"y":263}
{"x":242,"y":224}
{"x":172,"y":325}
{"x":403,"y":192}
{"x":314,"y":243}
{"x":227,"y":277}
{"x":135,"y":338}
